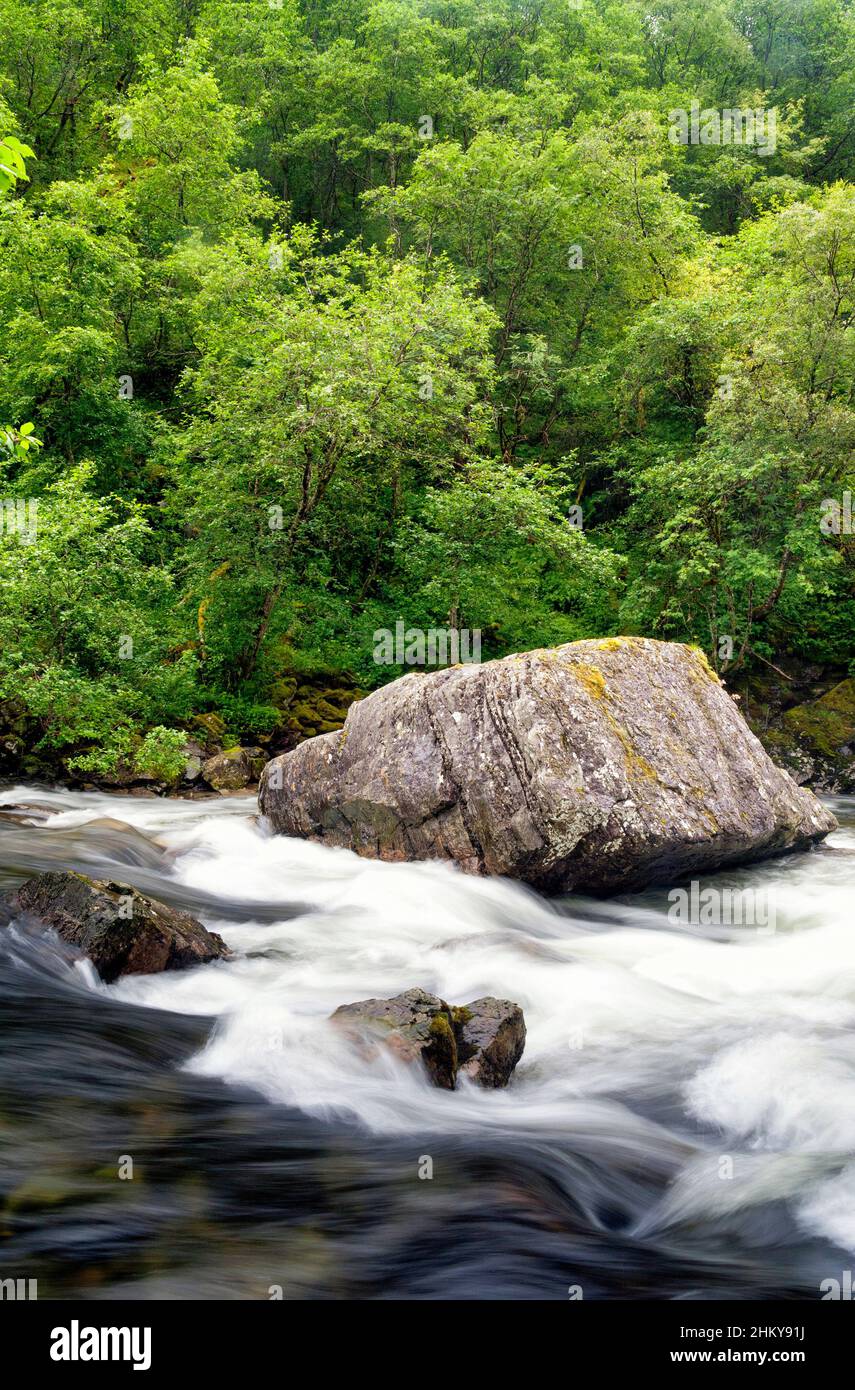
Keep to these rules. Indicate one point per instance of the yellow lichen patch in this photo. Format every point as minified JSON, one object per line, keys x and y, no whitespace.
{"x":615,"y":644}
{"x":591,"y":678}
{"x":702,"y":658}
{"x":594,"y":683}
{"x":636,"y":765}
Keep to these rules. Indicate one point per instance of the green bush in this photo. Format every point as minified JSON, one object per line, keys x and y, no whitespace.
{"x":160,"y":756}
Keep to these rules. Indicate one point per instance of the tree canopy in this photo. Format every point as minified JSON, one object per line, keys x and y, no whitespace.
{"x":319,"y":314}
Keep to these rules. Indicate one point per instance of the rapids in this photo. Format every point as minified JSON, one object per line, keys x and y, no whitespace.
{"x":681,"y":1124}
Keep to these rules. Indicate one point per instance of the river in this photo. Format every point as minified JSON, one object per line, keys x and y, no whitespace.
{"x":681,"y":1125}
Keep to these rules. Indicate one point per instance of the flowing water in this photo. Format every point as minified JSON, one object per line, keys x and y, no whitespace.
{"x":681,"y":1125}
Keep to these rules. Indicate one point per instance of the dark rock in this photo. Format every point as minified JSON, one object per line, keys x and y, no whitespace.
{"x":600,"y":765}
{"x":122,"y":931}
{"x":27,"y":812}
{"x":484,"y":1040}
{"x":12,"y":750}
{"x":490,"y":1040}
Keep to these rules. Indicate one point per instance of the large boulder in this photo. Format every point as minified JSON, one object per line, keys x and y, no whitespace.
{"x":122,"y":931}
{"x":599,"y":765}
{"x":483,"y":1040}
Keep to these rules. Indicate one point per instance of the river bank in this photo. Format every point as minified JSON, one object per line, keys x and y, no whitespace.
{"x":803,"y":714}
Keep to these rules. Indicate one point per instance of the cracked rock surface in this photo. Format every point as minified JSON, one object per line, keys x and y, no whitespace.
{"x":597,"y":766}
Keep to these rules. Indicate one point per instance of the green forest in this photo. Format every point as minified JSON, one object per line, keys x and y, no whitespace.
{"x":320,"y":315}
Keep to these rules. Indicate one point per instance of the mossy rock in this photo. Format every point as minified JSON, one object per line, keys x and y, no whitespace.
{"x":330,"y":711}
{"x":311,"y":702}
{"x":283,"y":691}
{"x":815,"y":741}
{"x":212,"y":724}
{"x":230,"y":770}
{"x":828,"y":724}
{"x":303,"y":712}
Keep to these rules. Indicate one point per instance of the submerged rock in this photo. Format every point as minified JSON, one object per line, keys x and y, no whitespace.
{"x":121,"y":930}
{"x":483,"y":1040}
{"x":599,"y":765}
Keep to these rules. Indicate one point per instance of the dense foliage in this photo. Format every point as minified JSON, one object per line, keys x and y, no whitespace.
{"x":321,"y":314}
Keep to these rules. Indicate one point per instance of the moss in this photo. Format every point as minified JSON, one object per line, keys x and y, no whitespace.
{"x":460,"y":1016}
{"x":827,"y":724}
{"x":440,"y":1027}
{"x":441,"y":1057}
{"x":841,"y":699}
{"x":704,"y":663}
{"x":828,"y":721}
{"x":330,"y":711}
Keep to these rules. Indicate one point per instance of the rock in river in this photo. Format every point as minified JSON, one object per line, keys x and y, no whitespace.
{"x":483,"y":1040}
{"x":599,"y":766}
{"x":122,"y":931}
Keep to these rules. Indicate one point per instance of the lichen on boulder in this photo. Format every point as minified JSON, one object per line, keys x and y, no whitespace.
{"x":597,"y":766}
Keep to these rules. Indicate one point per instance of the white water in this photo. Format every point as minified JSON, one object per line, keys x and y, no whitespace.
{"x":650,"y":1039}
